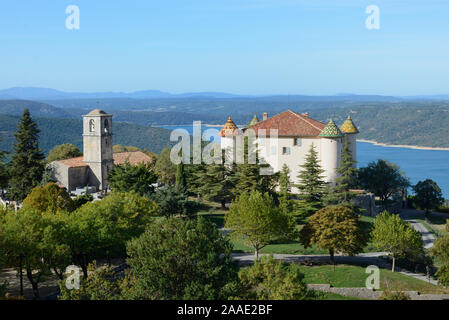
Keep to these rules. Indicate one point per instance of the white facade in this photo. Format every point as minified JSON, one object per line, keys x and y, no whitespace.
{"x":293,"y":150}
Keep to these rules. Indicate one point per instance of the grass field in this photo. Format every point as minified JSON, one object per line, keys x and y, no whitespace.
{"x":355,"y":276}
{"x":216,"y":215}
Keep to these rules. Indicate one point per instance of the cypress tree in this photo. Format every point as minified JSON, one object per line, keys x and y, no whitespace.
{"x":285,"y":188}
{"x":181,"y":181}
{"x":347,"y":178}
{"x":4,"y":176}
{"x":311,"y":184}
{"x":27,"y":165}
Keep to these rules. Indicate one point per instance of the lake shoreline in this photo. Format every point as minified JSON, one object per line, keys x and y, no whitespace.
{"x":401,"y":145}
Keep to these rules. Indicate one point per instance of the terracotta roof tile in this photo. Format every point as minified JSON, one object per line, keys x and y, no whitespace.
{"x":229,"y":129}
{"x":289,"y":123}
{"x":74,"y":162}
{"x":134,"y":157}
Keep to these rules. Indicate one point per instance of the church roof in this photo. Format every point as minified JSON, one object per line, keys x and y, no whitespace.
{"x":134,"y":158}
{"x":348,"y":126}
{"x":331,"y":131}
{"x":73,"y":162}
{"x":229,"y":129}
{"x":289,"y":123}
{"x":97,"y":112}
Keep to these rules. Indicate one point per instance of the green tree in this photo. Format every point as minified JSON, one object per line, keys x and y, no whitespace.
{"x":217,"y":183}
{"x":63,"y":151}
{"x":255,"y":217}
{"x":336,"y":228}
{"x":26,"y":237}
{"x":181,"y":259}
{"x":269,"y":279}
{"x":4,"y":175}
{"x":311,"y":184}
{"x":440,"y":250}
{"x":396,"y":236}
{"x":383,"y":178}
{"x":127,"y":178}
{"x":181,"y":179}
{"x":285,"y":184}
{"x":101,"y":284}
{"x":347,"y":178}
{"x":49,"y":198}
{"x":172,"y":201}
{"x":164,"y":168}
{"x":27,"y":165}
{"x":428,"y":195}
{"x":101,"y":228}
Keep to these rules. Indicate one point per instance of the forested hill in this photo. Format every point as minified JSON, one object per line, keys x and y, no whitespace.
{"x":59,"y":131}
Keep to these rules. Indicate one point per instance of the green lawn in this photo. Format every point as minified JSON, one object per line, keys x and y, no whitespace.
{"x":355,"y":276}
{"x":216,"y":215}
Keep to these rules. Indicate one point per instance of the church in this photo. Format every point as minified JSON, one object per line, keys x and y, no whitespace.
{"x":286,"y":138}
{"x":98,"y":158}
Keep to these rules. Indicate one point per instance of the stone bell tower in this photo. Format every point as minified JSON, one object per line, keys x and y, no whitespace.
{"x":97,"y":144}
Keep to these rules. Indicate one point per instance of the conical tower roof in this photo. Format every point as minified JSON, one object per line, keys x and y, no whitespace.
{"x":254,"y":121}
{"x":349,"y":126}
{"x":331,"y":131}
{"x":229,"y":129}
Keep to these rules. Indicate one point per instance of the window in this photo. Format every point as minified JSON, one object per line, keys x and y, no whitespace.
{"x":106,"y":125}
{"x":297,"y":142}
{"x":285,"y":150}
{"x":273,"y":151}
{"x":262,"y":142}
{"x":91,"y":125}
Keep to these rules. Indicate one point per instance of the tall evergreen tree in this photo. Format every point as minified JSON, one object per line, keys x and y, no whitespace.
{"x":4,"y":176}
{"x":311,"y":184}
{"x":285,"y":185}
{"x":217,"y":183}
{"x":27,"y":165}
{"x":181,"y":180}
{"x":347,"y":178}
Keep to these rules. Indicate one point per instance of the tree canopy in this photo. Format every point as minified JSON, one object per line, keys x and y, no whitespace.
{"x":127,"y":178}
{"x":63,"y":151}
{"x":396,"y":236}
{"x":27,"y":165}
{"x":428,"y":195}
{"x":255,"y":217}
{"x":383,"y":178}
{"x":336,"y":228}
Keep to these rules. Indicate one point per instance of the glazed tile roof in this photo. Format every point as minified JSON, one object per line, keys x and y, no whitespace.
{"x":289,"y":123}
{"x":348,"y":126}
{"x":134,"y":158}
{"x":254,"y":121}
{"x":331,"y":131}
{"x":229,"y":129}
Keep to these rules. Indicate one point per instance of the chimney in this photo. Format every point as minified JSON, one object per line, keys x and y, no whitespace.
{"x":265,"y":116}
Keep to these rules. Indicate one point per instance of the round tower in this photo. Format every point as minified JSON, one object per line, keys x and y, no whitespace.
{"x":330,"y":151}
{"x":350,"y":131}
{"x":228,"y":140}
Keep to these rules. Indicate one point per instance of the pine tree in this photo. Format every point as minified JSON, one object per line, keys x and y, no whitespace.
{"x":181,"y":180}
{"x":311,"y":184}
{"x":347,"y":178}
{"x":285,"y":184}
{"x":27,"y":165}
{"x":4,"y":175}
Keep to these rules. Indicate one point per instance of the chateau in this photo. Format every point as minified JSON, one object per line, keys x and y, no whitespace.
{"x":295,"y":135}
{"x":98,"y":158}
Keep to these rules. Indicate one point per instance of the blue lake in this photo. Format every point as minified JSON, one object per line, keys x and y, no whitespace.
{"x":417,"y":164}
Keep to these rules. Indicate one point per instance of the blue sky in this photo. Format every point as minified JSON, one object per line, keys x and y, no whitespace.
{"x":237,"y":46}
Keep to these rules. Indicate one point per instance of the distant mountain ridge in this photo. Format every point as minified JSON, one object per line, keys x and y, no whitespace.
{"x":36,"y":93}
